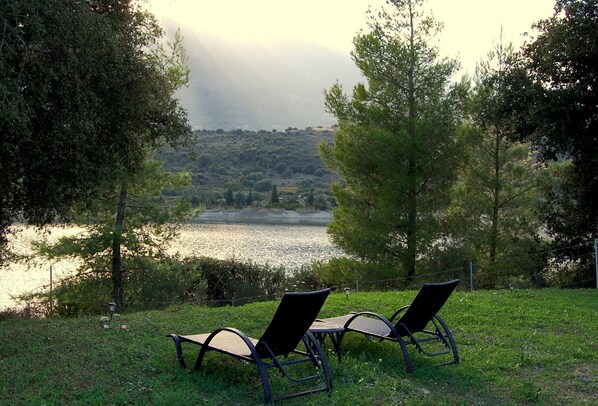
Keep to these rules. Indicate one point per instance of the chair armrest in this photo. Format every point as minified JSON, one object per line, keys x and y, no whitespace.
{"x":398,"y":312}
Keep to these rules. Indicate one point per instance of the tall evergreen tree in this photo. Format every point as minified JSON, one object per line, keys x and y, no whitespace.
{"x":172,"y":71}
{"x":274,"y":199}
{"x":395,"y":147}
{"x":249,"y":199}
{"x":239,"y":199}
{"x":310,"y":198}
{"x":496,"y":207}
{"x":230,"y":198}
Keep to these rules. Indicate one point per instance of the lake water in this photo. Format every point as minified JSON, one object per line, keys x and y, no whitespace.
{"x":289,"y":246}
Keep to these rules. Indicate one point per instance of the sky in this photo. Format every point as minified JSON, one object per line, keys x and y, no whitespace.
{"x":471,"y":27}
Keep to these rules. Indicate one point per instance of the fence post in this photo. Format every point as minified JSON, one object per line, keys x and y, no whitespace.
{"x":51,"y":293}
{"x":471,"y":268}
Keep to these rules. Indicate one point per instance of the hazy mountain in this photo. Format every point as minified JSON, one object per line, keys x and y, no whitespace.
{"x":253,"y":85}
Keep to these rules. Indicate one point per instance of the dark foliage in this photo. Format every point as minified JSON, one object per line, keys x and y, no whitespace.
{"x":552,"y":94}
{"x":80,"y":101}
{"x":156,"y":284}
{"x":235,"y":283}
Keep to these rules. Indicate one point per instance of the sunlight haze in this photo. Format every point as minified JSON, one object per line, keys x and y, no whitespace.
{"x":272,"y":46}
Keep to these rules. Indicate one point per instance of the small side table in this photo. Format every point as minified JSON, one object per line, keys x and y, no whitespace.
{"x":322,"y":329}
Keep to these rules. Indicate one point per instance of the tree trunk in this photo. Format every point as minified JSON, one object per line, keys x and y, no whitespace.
{"x":117,"y":280}
{"x":412,"y":190}
{"x":495,"y":203}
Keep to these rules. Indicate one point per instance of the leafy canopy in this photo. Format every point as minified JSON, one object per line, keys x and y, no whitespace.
{"x":552,"y":93}
{"x":81,"y":98}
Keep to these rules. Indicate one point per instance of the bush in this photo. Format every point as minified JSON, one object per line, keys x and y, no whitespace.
{"x":255,"y":176}
{"x":280,"y":168}
{"x":320,"y":203}
{"x":205,"y":160}
{"x":522,"y":266}
{"x":158,"y":284}
{"x":308,"y":169}
{"x":304,"y":279}
{"x":264,"y":185}
{"x":236,"y":283}
{"x":151,"y":284}
{"x":346,"y":272}
{"x":442,"y":264}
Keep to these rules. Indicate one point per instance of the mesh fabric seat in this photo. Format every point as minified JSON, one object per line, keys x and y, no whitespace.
{"x":286,"y":336}
{"x":417,"y":324}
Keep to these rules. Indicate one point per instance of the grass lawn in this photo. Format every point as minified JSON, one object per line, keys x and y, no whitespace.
{"x":516,"y":347}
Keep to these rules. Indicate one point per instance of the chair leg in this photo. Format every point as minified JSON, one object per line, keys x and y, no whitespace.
{"x":338,"y":344}
{"x":179,"y":350}
{"x":260,"y":367}
{"x":319,"y":358}
{"x":406,"y":355}
{"x":449,"y":335}
{"x":265,"y":380}
{"x":200,"y":357}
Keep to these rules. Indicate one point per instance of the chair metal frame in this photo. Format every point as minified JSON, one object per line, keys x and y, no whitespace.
{"x":418,"y":324}
{"x":281,"y":338}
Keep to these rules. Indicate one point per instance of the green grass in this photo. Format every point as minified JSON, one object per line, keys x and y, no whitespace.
{"x":516,"y":347}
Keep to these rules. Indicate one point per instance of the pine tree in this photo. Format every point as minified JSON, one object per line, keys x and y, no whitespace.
{"x":395,"y":148}
{"x":310,"y":198}
{"x":230,"y":199}
{"x":497,"y":199}
{"x":249,"y":199}
{"x":274,"y":199}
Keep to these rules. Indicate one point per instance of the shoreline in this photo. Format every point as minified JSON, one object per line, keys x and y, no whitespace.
{"x":252,"y":216}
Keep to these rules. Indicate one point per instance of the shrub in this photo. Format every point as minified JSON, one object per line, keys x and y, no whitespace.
{"x":264,"y":185}
{"x":205,"y":160}
{"x":346,"y":272}
{"x":280,"y":168}
{"x":151,"y":284}
{"x":234,"y":282}
{"x":319,"y":173}
{"x":255,"y":176}
{"x":158,"y":284}
{"x":304,"y":279}
{"x":309,"y":169}
{"x":442,"y":264}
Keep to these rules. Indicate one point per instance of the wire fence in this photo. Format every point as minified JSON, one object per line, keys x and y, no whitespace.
{"x":555,"y":268}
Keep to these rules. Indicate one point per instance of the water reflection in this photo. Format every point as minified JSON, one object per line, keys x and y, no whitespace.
{"x":33,"y":276}
{"x":288,"y":246}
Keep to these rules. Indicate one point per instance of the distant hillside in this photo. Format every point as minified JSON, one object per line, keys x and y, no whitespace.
{"x":240,"y":168}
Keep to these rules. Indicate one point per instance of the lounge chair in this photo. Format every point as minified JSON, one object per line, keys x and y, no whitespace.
{"x":288,"y":327}
{"x":419,"y":325}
